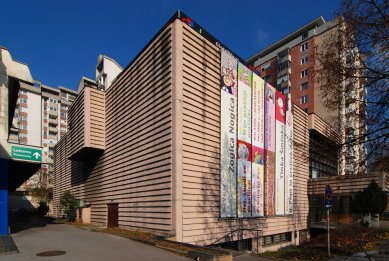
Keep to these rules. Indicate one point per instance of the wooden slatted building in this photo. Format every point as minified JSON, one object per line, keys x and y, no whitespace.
{"x":156,"y":159}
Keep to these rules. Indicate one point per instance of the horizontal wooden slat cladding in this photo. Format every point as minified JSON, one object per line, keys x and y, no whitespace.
{"x":201,"y":152}
{"x":76,"y":119}
{"x":135,"y":169}
{"x":87,"y":123}
{"x":346,"y":183}
{"x":319,"y":125}
{"x":97,"y":118}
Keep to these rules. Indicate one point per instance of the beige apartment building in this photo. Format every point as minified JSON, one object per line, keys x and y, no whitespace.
{"x":40,"y":119}
{"x":145,"y":152}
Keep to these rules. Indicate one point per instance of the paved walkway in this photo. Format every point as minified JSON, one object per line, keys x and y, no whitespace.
{"x":80,"y":244}
{"x":248,"y":257}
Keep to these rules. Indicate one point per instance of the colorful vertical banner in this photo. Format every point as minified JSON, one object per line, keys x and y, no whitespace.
{"x":270,"y":125}
{"x":244,"y":140}
{"x":280,"y":153}
{"x":257,"y":147}
{"x":289,"y":158}
{"x":228,"y":134}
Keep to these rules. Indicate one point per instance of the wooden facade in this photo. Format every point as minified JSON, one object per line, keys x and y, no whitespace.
{"x":87,"y":124}
{"x":161,"y":159}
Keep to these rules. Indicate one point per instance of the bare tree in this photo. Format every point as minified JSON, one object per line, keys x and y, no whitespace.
{"x":41,"y":190}
{"x":357,"y":54}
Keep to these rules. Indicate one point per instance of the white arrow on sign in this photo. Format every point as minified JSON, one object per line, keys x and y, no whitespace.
{"x":36,"y":155}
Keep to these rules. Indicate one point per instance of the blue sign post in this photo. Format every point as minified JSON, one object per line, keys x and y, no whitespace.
{"x":3,"y":197}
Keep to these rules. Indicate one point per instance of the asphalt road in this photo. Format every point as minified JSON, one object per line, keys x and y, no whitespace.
{"x":80,"y":244}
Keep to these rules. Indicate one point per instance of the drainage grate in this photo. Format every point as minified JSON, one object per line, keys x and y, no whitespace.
{"x":51,"y":253}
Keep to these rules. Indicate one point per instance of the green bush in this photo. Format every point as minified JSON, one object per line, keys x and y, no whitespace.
{"x":371,"y":200}
{"x":42,"y":209}
{"x":69,"y":204}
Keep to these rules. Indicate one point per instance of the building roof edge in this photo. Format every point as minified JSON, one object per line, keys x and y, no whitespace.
{"x":315,"y":22}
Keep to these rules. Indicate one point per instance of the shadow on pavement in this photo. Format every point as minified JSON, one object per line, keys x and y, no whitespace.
{"x":23,"y":222}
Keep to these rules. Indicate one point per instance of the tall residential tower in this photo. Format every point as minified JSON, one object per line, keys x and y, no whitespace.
{"x":292,"y":65}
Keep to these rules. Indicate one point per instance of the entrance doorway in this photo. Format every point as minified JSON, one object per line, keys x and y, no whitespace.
{"x":113,"y":215}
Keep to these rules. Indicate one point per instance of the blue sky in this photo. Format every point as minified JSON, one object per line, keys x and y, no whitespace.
{"x":60,"y":40}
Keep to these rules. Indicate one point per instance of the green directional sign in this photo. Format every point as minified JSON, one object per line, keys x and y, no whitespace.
{"x":26,"y":153}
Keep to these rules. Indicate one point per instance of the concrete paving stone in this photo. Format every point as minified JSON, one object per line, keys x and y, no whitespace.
{"x":80,"y":244}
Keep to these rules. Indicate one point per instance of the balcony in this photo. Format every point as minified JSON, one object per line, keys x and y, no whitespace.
{"x":284,"y":72}
{"x":53,"y":129}
{"x":53,"y":113}
{"x":284,"y":84}
{"x":284,"y":59}
{"x":52,"y":120}
{"x":65,"y":101}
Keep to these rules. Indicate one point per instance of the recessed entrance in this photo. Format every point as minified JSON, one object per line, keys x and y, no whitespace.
{"x":113,"y":215}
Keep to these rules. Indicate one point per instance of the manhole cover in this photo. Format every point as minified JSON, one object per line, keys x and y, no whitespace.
{"x":51,"y":253}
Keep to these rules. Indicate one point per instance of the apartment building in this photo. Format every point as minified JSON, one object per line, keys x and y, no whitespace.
{"x":291,"y":64}
{"x":41,"y":118}
{"x":150,"y":152}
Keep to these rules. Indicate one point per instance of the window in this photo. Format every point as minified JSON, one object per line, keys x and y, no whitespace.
{"x":350,"y":58}
{"x":281,"y":80}
{"x":304,"y":73}
{"x":304,"y":46}
{"x":283,"y":66}
{"x":23,"y":109}
{"x":304,"y":60}
{"x":304,"y":99}
{"x":22,"y":136}
{"x":63,"y":114}
{"x":23,"y":118}
{"x":24,"y":92}
{"x":266,"y":66}
{"x":63,"y":122}
{"x":52,"y":133}
{"x":283,"y":53}
{"x":53,"y":108}
{"x":63,"y":107}
{"x":53,"y":100}
{"x":304,"y":86}
{"x":285,"y":91}
{"x":305,"y":110}
{"x":277,"y":238}
{"x":304,"y":36}
{"x":22,"y":100}
{"x":23,"y":127}
{"x":267,"y":78}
